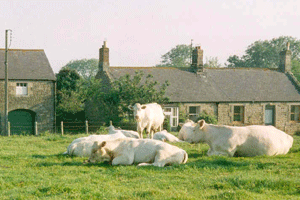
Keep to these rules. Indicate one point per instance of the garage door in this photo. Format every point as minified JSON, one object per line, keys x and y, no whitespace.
{"x":21,"y":122}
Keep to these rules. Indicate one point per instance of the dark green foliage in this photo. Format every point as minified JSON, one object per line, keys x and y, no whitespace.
{"x":265,"y":54}
{"x":210,"y":119}
{"x":180,"y":56}
{"x":127,"y":90}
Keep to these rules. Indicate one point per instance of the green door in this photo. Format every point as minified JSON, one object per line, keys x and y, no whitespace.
{"x":21,"y":122}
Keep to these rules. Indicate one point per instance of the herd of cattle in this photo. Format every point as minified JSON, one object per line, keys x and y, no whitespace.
{"x":125,"y":147}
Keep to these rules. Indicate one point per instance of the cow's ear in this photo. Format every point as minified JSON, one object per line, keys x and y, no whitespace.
{"x":201,"y":123}
{"x":130,"y":107}
{"x":144,"y":107}
{"x":102,"y":144}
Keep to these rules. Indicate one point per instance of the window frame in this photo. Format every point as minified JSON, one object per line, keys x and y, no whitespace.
{"x":21,"y":89}
{"x":294,"y":113}
{"x":241,"y":114}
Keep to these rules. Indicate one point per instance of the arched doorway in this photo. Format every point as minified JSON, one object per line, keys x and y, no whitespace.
{"x":21,"y":121}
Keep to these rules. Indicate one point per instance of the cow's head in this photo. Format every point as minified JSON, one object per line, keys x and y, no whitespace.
{"x":99,"y":154}
{"x":198,"y":131}
{"x":138,"y":111}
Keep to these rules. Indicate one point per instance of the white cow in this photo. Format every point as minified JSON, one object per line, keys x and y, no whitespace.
{"x":164,"y":135}
{"x":127,"y":133}
{"x":82,"y":146}
{"x":149,"y":116}
{"x":126,"y":151}
{"x":244,"y":141}
{"x":186,"y":132}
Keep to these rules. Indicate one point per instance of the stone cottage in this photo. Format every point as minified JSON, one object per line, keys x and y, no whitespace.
{"x":31,"y":91}
{"x":236,"y":96}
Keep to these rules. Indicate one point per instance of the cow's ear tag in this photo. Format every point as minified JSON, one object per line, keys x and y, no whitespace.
{"x":143,"y":107}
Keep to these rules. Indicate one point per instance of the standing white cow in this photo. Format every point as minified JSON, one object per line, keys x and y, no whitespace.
{"x":244,"y":141}
{"x":126,"y":151}
{"x":149,"y":116}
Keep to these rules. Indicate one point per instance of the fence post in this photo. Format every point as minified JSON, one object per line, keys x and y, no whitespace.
{"x":36,"y":128}
{"x":87,"y":127}
{"x":8,"y":128}
{"x":62,"y":127}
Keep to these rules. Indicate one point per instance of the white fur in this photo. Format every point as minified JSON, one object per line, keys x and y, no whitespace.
{"x":149,"y":116}
{"x":164,"y":135}
{"x":186,"y":132}
{"x":126,"y":151}
{"x":127,"y":133}
{"x":82,"y":146}
{"x":245,"y":141}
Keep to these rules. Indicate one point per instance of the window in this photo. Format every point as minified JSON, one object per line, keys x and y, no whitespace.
{"x":22,"y":89}
{"x":295,"y":112}
{"x":171,"y":114}
{"x":238,"y":114}
{"x":194,"y":112}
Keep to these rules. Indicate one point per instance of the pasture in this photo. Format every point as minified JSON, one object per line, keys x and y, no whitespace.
{"x":33,"y":167}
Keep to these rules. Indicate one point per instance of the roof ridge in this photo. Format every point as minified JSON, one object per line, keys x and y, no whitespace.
{"x":23,"y":49}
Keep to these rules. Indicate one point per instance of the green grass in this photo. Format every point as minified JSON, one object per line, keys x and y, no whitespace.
{"x":33,"y":167}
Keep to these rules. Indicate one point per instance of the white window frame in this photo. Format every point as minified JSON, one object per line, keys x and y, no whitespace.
{"x":173,"y":113}
{"x":21,"y":89}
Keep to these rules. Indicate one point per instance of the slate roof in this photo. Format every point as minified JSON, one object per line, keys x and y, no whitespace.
{"x":26,"y":65}
{"x":220,"y":84}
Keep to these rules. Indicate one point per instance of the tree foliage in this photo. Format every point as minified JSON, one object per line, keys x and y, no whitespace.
{"x":179,"y":56}
{"x":86,"y":68}
{"x":128,"y":90}
{"x":265,"y":54}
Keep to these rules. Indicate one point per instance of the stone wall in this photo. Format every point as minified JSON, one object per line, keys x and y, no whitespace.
{"x":40,"y":100}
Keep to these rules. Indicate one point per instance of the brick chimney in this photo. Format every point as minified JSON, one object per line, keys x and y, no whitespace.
{"x":104,"y":58}
{"x":285,"y":64}
{"x":197,"y":60}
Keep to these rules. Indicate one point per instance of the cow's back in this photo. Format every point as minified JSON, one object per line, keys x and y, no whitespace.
{"x":265,"y":140}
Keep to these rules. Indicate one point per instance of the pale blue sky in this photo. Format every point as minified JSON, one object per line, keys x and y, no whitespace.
{"x":138,"y":32}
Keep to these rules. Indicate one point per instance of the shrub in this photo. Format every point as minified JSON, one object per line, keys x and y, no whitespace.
{"x":211,"y":119}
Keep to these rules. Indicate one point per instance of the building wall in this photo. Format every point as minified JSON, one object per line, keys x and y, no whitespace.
{"x":40,"y":100}
{"x":254,"y":114}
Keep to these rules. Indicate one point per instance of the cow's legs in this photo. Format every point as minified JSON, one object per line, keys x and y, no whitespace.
{"x":149,"y":131}
{"x":140,"y":131}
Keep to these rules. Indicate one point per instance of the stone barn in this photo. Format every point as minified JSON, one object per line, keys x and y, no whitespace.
{"x":235,"y":96}
{"x":31,"y":91}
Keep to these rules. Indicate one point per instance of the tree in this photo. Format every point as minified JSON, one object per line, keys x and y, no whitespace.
{"x":86,"y":68}
{"x":128,"y":90}
{"x":212,"y":62}
{"x":180,"y":56}
{"x":265,"y":54}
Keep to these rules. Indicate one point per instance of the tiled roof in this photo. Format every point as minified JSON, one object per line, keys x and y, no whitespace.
{"x":26,"y":65}
{"x":220,"y":84}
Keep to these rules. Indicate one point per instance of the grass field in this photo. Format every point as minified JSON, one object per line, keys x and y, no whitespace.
{"x":33,"y":167}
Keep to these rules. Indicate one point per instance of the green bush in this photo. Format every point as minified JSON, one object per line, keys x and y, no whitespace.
{"x":210,"y":119}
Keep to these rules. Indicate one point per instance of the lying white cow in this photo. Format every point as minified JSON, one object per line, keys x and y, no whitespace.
{"x":82,"y":146}
{"x":164,"y":135}
{"x":186,"y":132}
{"x":149,"y":116}
{"x":127,"y":133}
{"x":244,"y":141}
{"x":126,"y":151}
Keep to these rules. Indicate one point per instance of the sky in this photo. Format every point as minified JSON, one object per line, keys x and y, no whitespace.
{"x":139,"y":32}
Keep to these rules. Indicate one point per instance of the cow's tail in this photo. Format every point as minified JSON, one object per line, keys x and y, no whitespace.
{"x":185,"y":157}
